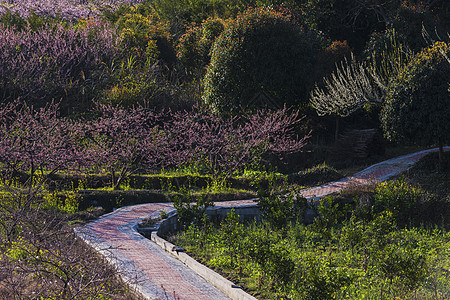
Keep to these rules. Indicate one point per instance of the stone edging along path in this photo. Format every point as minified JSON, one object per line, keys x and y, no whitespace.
{"x":154,"y":269}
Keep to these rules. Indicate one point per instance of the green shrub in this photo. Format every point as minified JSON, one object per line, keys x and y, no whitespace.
{"x":231,"y":234}
{"x":330,"y":212}
{"x":349,"y":20}
{"x":403,"y":265}
{"x":263,"y":58}
{"x":376,"y":234}
{"x":13,"y":21}
{"x":367,"y":238}
{"x":32,"y":22}
{"x":280,"y":208}
{"x":398,"y":197}
{"x":417,"y":103}
{"x":195,"y":45}
{"x":133,"y":82}
{"x":275,"y":264}
{"x":190,"y":212}
{"x":67,"y":202}
{"x":146,"y":36}
{"x":181,"y":13}
{"x":409,"y":20}
{"x":317,"y":279}
{"x":327,"y":59}
{"x":352,"y":234}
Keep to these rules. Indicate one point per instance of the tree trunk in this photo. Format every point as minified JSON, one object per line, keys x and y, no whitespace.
{"x":336,"y":131}
{"x":113,"y":180}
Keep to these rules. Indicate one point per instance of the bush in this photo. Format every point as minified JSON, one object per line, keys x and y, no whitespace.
{"x":263,"y":58}
{"x":410,"y":20}
{"x":32,"y":22}
{"x":330,"y":212}
{"x":146,"y":36}
{"x":397,"y":197}
{"x":190,"y":213}
{"x":403,"y":264}
{"x":280,"y":208}
{"x":195,"y":45}
{"x":319,"y":280}
{"x":329,"y":57}
{"x":133,"y":82}
{"x":417,"y":103}
{"x":181,"y":13}
{"x":349,"y":20}
{"x":231,"y":235}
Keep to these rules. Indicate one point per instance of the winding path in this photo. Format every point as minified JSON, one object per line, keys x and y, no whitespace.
{"x":155,"y":274}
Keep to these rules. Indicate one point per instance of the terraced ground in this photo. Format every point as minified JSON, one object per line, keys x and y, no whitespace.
{"x":155,"y":274}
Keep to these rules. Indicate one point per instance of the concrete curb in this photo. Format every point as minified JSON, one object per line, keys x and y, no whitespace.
{"x":223,"y":284}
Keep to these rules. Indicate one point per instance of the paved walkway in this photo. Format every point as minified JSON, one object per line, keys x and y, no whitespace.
{"x":157,"y":275}
{"x":378,"y":172}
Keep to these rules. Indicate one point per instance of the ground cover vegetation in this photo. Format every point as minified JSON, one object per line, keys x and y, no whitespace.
{"x":109,"y":103}
{"x":385,"y":241}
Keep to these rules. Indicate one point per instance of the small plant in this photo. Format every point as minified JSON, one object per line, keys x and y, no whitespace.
{"x":281,"y":207}
{"x":66,"y":201}
{"x":231,"y":235}
{"x":404,"y":266}
{"x":163,"y":214}
{"x":190,"y":212}
{"x":398,"y":197}
{"x":217,"y":185}
{"x":316,"y":278}
{"x":148,"y":222}
{"x":330,"y":212}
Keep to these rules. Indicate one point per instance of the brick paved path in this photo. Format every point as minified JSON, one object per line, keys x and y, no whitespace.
{"x":157,"y":275}
{"x":378,"y":172}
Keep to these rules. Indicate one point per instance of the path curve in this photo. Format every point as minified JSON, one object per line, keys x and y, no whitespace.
{"x":155,"y":274}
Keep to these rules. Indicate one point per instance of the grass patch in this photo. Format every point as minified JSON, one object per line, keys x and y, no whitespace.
{"x":316,"y":175}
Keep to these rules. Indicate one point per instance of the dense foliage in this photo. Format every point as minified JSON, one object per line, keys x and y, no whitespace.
{"x":364,"y":252}
{"x":263,"y":58}
{"x":357,"y":20}
{"x":417,"y":104}
{"x":195,"y":45}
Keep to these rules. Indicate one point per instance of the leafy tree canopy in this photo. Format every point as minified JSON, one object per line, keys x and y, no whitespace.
{"x":264,"y":57}
{"x":417,"y":106}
